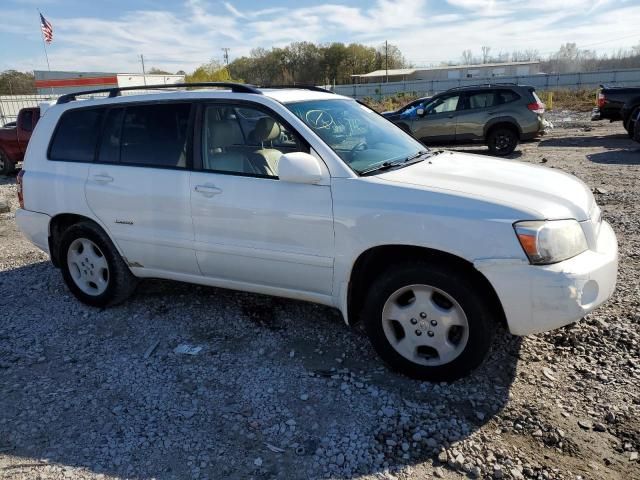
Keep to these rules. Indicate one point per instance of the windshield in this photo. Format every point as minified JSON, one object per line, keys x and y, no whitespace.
{"x":361,"y":137}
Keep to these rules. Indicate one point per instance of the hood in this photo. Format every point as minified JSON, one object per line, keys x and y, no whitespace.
{"x":540,"y":191}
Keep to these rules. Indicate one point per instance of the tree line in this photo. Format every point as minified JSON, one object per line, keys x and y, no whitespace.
{"x":568,"y":59}
{"x":334,"y":63}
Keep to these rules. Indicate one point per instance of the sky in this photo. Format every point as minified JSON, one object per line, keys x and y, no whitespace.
{"x":109,"y":35}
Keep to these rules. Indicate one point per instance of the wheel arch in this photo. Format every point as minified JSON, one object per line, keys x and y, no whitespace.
{"x":59,"y":224}
{"x":372,"y":262}
{"x":502,"y":122}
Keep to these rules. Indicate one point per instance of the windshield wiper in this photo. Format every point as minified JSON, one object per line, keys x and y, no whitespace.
{"x":388,"y":164}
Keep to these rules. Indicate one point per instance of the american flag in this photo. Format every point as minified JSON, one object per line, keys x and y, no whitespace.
{"x":47,"y":29}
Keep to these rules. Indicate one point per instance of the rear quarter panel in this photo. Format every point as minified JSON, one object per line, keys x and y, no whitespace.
{"x":52,"y":187}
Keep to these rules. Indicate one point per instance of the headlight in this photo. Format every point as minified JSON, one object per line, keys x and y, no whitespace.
{"x":551,"y":241}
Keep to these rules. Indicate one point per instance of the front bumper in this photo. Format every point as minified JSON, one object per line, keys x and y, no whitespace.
{"x":34,"y":226}
{"x":538,"y":298}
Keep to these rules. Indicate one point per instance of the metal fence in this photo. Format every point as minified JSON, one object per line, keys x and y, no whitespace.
{"x":10,"y":105}
{"x":572,"y":81}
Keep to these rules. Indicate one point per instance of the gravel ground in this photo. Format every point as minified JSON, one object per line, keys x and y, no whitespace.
{"x":282,"y":389}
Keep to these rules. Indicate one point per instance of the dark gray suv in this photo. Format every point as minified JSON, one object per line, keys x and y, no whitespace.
{"x":499,"y":115}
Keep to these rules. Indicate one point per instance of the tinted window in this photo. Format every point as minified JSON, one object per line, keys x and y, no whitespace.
{"x":481,"y":99}
{"x":245,"y":140}
{"x":506,"y":96}
{"x":154,"y":135}
{"x":111,"y":133}
{"x":76,"y":135}
{"x":26,"y":121}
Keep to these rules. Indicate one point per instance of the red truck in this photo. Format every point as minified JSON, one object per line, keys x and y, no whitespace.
{"x":14,"y":139}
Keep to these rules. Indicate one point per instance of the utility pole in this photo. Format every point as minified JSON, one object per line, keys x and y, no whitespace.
{"x":386,"y":61}
{"x":226,"y":55}
{"x":144,"y":74}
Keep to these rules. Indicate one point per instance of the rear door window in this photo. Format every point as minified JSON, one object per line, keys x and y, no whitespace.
{"x":484,"y":99}
{"x":111,"y":134}
{"x":155,"y":135}
{"x":76,"y":135}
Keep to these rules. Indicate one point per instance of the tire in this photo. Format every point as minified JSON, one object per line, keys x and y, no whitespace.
{"x":630,"y":124}
{"x":502,"y":141}
{"x":92,"y":268}
{"x":6,"y":165}
{"x":439,"y":293}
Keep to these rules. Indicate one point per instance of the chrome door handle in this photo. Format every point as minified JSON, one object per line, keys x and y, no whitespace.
{"x":102,"y":178}
{"x":208,"y":190}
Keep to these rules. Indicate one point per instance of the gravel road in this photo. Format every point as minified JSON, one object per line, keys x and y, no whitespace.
{"x":283,"y":389}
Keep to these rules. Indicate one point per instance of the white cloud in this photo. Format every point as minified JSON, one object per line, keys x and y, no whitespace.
{"x":198,"y":29}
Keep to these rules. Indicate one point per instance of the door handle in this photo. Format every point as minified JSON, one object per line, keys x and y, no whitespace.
{"x":208,"y":190}
{"x":102,"y":178}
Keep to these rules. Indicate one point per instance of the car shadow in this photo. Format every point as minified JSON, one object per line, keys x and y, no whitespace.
{"x":281,"y":388}
{"x":617,"y":157}
{"x":589,"y":141}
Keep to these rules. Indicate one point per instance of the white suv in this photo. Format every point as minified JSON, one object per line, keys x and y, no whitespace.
{"x":305,"y":194}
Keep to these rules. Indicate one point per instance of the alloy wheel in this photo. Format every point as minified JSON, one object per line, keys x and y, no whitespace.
{"x":425,"y":325}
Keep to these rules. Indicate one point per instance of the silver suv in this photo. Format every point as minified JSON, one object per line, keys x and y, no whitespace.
{"x":499,"y":115}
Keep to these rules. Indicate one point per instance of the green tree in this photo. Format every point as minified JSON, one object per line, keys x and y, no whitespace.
{"x":209,"y":72}
{"x":13,"y":82}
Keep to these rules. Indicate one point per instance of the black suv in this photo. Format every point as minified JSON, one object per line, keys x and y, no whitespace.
{"x":498,"y":115}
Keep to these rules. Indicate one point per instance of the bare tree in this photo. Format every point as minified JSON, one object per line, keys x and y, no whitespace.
{"x":467,"y":57}
{"x":485,"y":53}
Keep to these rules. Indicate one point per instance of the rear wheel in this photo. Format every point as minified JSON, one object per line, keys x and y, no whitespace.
{"x":92,"y":268}
{"x":6,"y":165}
{"x":428,"y":322}
{"x":630,"y":124}
{"x":502,"y":141}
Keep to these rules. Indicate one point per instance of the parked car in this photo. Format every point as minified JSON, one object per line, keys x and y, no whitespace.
{"x":499,"y":115}
{"x":636,"y":126}
{"x":408,"y":111}
{"x":322,"y":200}
{"x":618,"y":104}
{"x":14,"y":139}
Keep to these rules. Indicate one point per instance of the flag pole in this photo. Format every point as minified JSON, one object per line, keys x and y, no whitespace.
{"x":44,"y":44}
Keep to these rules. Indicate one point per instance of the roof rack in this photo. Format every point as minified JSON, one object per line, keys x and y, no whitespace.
{"x":483,"y":85}
{"x":313,"y":88}
{"x":115,"y":91}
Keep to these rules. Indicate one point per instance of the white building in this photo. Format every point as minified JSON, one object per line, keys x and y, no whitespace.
{"x":450,"y":72}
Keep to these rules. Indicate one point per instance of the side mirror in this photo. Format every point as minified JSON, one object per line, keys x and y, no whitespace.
{"x":299,"y":167}
{"x":420,"y":112}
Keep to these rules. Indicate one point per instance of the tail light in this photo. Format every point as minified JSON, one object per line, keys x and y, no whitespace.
{"x":20,"y":188}
{"x":601,"y":100}
{"x":536,"y":107}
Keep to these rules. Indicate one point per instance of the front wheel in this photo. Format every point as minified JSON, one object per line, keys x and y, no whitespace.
{"x":502,"y":141}
{"x":92,"y":268}
{"x":428,"y":322}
